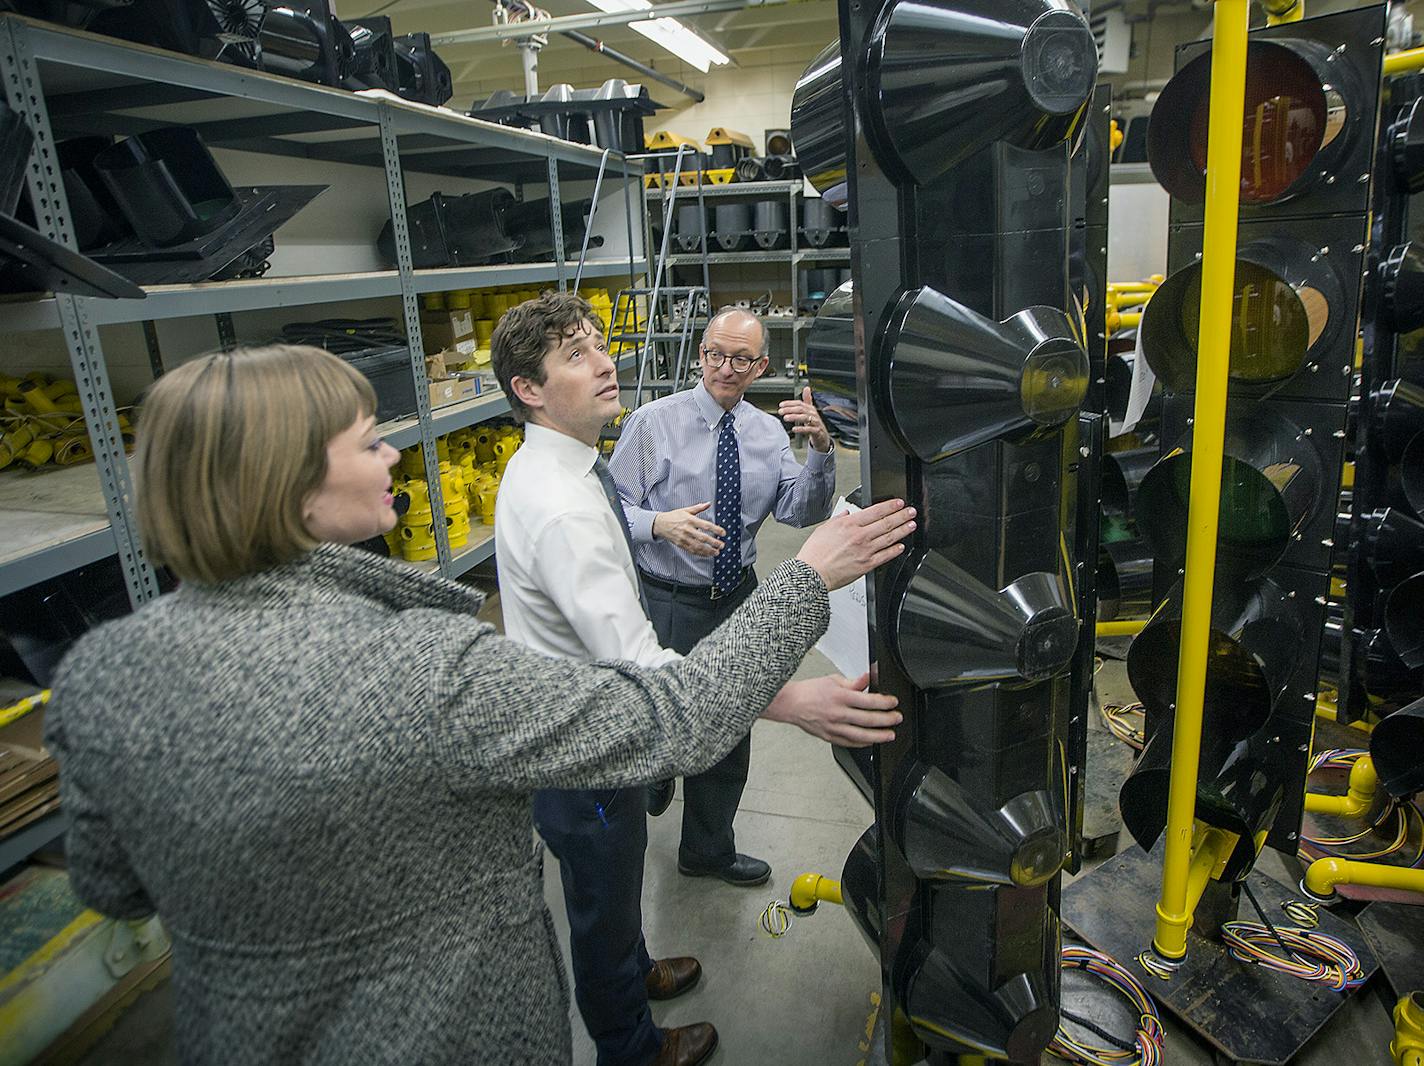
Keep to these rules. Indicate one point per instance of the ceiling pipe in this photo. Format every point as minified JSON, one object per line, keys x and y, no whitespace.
{"x":628,"y":61}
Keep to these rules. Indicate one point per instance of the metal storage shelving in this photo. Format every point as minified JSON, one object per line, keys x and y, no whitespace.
{"x":75,"y":83}
{"x":795,"y":256}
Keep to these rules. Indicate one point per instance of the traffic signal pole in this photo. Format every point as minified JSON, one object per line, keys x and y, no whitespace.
{"x":1223,"y":184}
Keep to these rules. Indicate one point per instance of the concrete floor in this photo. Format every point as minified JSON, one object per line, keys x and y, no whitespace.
{"x":808,"y":997}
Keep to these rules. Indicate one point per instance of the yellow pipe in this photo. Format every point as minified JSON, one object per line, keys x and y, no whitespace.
{"x":1324,"y":874}
{"x":1223,"y":184}
{"x":809,"y":889}
{"x":1282,"y":11}
{"x":1356,"y":802}
{"x":1128,"y":627}
{"x":1408,"y":1044}
{"x":1405,"y":62}
{"x":24,"y":707}
{"x":1133,"y":299}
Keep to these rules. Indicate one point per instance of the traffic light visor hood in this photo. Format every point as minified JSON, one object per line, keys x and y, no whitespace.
{"x":944,"y":78}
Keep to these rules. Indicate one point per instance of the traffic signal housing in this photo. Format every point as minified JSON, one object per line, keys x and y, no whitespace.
{"x":972,"y":370}
{"x":1310,"y":111}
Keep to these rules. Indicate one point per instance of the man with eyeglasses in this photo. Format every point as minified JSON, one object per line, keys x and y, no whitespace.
{"x":698,"y":472}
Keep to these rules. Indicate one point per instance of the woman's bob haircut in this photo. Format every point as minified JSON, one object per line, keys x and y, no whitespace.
{"x":230,"y":446}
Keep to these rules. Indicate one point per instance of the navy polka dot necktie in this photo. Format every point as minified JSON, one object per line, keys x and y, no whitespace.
{"x":727,"y":566}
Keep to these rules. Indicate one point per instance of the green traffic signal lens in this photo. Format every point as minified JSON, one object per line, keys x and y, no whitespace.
{"x":1254,"y":526}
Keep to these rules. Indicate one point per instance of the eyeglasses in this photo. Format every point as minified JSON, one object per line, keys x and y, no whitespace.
{"x":740,"y":363}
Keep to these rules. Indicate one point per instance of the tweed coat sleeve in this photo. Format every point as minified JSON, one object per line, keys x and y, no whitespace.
{"x":502,"y":716}
{"x":98,"y":867}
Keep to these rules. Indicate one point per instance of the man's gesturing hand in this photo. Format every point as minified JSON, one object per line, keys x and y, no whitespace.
{"x":837,"y":710}
{"x":803,"y":418}
{"x":855,"y":543}
{"x":685,"y":530}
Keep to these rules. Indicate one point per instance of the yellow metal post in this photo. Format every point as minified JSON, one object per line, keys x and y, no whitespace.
{"x":1405,"y":62}
{"x":1223,"y":185}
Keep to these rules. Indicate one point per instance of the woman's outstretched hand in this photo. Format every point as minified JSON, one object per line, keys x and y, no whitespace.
{"x":853,"y":544}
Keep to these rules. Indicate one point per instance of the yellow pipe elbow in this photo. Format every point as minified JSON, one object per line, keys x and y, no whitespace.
{"x":810,"y":889}
{"x":1324,"y":875}
{"x":1357,"y":801}
{"x":1282,"y":11}
{"x":1127,"y":627}
{"x":1407,"y":1048}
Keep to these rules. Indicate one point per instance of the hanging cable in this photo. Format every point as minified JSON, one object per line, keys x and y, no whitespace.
{"x":1147,"y":1046}
{"x":776,"y":919}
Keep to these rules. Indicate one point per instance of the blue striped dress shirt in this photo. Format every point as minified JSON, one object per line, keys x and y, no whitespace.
{"x":666,"y":459}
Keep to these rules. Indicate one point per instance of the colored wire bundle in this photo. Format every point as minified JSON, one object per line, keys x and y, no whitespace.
{"x":1305,"y":953}
{"x":1155,"y":966}
{"x":1313,"y":955}
{"x":776,"y":919}
{"x":1344,"y":759}
{"x":1306,"y":915}
{"x":1125,"y":721}
{"x":1149,"y":1039}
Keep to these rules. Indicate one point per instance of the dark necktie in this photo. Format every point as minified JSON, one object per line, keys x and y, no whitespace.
{"x":727,"y":565}
{"x":610,"y":492}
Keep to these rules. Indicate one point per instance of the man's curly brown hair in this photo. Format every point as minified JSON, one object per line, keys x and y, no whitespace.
{"x":527,"y":332}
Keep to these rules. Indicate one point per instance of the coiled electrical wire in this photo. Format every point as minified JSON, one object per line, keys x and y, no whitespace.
{"x":776,"y":919}
{"x":1306,"y":915}
{"x":1126,"y":722}
{"x":1149,"y":1040}
{"x":1305,"y":953}
{"x":1314,"y":956}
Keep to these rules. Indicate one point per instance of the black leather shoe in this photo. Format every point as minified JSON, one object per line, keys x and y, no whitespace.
{"x":687,"y":1045}
{"x":743,"y":871}
{"x":670,"y":978}
{"x":660,"y":796}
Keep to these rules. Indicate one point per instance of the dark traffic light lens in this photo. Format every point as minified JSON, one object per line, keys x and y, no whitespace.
{"x":1254,"y":526}
{"x":1286,"y":122}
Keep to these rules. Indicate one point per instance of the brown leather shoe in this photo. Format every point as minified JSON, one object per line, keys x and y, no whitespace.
{"x":687,"y":1045}
{"x":672,"y":977}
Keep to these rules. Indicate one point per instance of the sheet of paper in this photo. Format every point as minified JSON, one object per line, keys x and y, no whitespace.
{"x":847,"y":639}
{"x":1138,"y":395}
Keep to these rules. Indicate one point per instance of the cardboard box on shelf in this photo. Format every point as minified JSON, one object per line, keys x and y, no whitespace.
{"x":453,"y":390}
{"x":448,"y":329}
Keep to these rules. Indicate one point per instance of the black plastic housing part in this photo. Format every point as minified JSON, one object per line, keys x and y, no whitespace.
{"x":945,"y":128}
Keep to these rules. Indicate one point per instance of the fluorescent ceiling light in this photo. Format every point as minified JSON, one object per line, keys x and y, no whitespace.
{"x":671,"y":34}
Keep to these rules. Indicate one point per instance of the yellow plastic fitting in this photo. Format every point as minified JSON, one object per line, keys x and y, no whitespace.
{"x":1279,"y":12}
{"x":1324,"y":875}
{"x":810,"y":889}
{"x":1408,"y":1044}
{"x":1356,"y":802}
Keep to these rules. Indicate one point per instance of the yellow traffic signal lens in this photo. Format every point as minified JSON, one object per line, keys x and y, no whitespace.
{"x":1272,"y":325}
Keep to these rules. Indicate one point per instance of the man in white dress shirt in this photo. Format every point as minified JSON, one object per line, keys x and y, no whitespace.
{"x":568,"y":587}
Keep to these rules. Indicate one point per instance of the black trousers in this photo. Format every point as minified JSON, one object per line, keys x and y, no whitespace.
{"x":681,"y":618}
{"x":599,"y":837}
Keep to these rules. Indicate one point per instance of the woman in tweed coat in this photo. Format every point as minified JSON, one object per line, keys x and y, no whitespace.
{"x":316,"y":764}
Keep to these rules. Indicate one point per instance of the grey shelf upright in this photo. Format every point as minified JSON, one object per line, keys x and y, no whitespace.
{"x":795,"y":256}
{"x":70,"y":83}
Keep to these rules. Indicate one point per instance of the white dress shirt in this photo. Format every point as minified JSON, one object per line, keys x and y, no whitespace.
{"x":567,"y":584}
